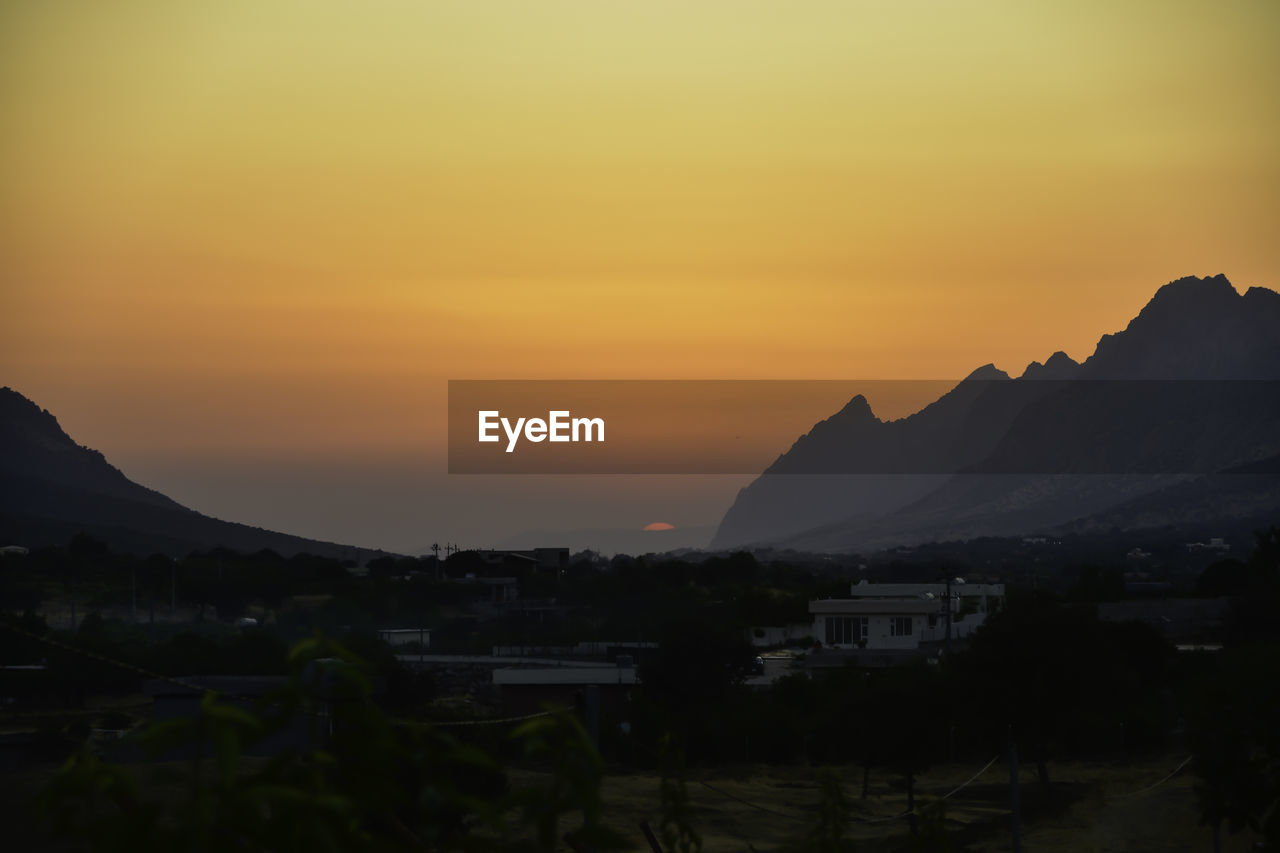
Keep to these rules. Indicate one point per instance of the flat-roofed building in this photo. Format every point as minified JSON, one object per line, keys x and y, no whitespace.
{"x":899,"y":616}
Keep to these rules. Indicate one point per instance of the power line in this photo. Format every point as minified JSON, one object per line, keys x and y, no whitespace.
{"x":945,"y":796}
{"x":971,"y":779}
{"x":966,"y":783}
{"x":711,"y":787}
{"x":58,"y":644}
{"x":490,"y":722}
{"x":1151,"y":787}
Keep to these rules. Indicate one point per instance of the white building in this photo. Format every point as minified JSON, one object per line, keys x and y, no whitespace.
{"x":1215,"y":544}
{"x":405,"y":636}
{"x":903,"y":615}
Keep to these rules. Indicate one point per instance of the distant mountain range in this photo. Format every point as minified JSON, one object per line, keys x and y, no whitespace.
{"x":1174,"y":420}
{"x":616,"y":540}
{"x":52,"y":488}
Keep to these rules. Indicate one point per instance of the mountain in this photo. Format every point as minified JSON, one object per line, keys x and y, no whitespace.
{"x":1188,"y":389}
{"x":52,"y":488}
{"x":1195,"y":328}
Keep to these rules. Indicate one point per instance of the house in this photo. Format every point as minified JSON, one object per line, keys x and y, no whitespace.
{"x":903,"y":616}
{"x":501,"y":590}
{"x":498,"y":590}
{"x":527,"y":690}
{"x":1214,"y":544}
{"x":539,"y":559}
{"x":405,"y":636}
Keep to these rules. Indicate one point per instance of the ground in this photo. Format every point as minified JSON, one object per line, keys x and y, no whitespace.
{"x":1094,"y":808}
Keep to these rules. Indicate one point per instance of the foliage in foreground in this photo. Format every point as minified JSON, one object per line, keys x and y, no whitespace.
{"x":363,"y":781}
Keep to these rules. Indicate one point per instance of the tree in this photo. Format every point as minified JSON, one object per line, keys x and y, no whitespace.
{"x":905,"y":710}
{"x":690,"y":680}
{"x":1224,"y":577}
{"x":696,"y":662}
{"x":1095,"y":584}
{"x":365,"y":781}
{"x":1251,"y":618}
{"x":834,"y":814}
{"x":1235,"y":745}
{"x":1024,"y":665}
{"x":1233,"y":707}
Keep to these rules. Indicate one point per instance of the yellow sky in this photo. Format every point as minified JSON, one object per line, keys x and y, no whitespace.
{"x":231,"y":215}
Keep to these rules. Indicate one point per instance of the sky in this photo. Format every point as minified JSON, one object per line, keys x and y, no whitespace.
{"x":245,"y":245}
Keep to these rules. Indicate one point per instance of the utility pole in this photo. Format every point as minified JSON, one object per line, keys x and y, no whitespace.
{"x":946,"y":646}
{"x":593,"y":713}
{"x":1013,"y":795}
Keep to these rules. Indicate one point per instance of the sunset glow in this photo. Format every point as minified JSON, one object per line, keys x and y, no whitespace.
{"x":249,"y":230}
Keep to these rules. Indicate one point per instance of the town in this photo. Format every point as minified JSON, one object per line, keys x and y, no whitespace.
{"x":890,"y":678}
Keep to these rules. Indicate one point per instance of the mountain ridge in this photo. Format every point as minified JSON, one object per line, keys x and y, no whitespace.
{"x":51,"y":488}
{"x":896,"y":483}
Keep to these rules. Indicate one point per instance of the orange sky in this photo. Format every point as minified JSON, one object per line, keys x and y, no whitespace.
{"x":277,"y":228}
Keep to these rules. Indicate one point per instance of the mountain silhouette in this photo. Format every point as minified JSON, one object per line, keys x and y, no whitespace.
{"x":1057,"y":367}
{"x":1194,"y":328}
{"x":1189,"y":388}
{"x":52,"y":488}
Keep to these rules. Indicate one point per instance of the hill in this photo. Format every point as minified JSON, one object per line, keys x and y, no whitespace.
{"x":52,"y":488}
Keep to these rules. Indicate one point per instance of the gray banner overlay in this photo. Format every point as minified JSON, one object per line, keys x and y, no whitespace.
{"x":819,"y":427}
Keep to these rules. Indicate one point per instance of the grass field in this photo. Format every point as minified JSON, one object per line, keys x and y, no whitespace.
{"x":1092,"y":808}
